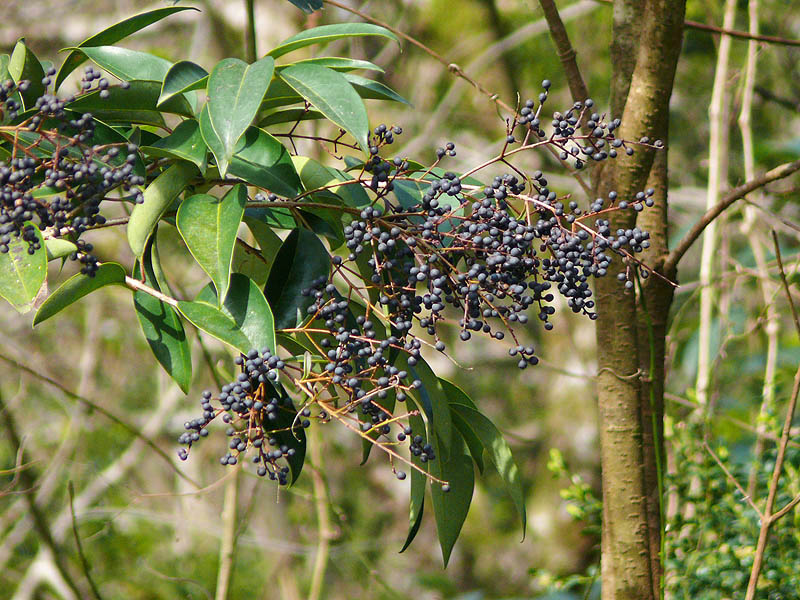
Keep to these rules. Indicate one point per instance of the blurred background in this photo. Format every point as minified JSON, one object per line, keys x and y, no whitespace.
{"x":148,"y":533}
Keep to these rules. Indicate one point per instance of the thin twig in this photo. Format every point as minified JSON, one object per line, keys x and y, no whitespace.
{"x":40,"y":522}
{"x":731,"y":476}
{"x":84,"y":562}
{"x":133,"y":430}
{"x":768,"y":518}
{"x":228,"y":543}
{"x":734,"y":33}
{"x":732,"y":196}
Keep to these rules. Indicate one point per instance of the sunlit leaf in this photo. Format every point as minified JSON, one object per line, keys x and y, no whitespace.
{"x":22,"y":273}
{"x":332,"y":95}
{"x":112,"y":35}
{"x":78,"y":286}
{"x":24,"y":66}
{"x":209,"y":225}
{"x":184,"y":76}
{"x":329,"y":33}
{"x":235,"y":92}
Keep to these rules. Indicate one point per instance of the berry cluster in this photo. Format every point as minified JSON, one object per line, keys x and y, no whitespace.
{"x":57,"y":177}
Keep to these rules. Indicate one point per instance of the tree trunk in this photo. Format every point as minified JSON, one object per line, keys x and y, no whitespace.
{"x":630,"y":381}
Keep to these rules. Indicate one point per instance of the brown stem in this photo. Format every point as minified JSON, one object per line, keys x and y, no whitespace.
{"x":781,"y":172}
{"x":566,"y":53}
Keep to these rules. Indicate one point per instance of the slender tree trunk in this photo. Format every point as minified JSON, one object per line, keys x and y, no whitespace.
{"x":632,"y":340}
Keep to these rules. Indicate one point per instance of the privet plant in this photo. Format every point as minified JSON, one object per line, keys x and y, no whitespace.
{"x":355,"y":269}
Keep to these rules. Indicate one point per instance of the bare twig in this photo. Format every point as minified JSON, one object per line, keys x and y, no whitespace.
{"x":133,"y":430}
{"x":780,"y":172}
{"x":731,"y":476}
{"x":84,"y":562}
{"x":324,"y":529}
{"x":40,"y":522}
{"x":228,"y":544}
{"x":768,"y":518}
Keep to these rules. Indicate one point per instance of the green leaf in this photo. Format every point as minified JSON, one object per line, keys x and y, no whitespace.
{"x":372,"y":90}
{"x":433,"y":401}
{"x":456,"y":396}
{"x":78,"y":286}
{"x":337,"y":63}
{"x":451,"y":508}
{"x":140,"y":97}
{"x":244,"y":320}
{"x":161,"y":324}
{"x":262,"y":161}
{"x":249,"y":261}
{"x":301,"y":260}
{"x":24,"y":66}
{"x":416,"y":504}
{"x":128,"y":65}
{"x":332,"y":95}
{"x":267,"y":240}
{"x":185,"y":142}
{"x":289,"y":115}
{"x":499,"y":453}
{"x":112,"y":35}
{"x":209,"y":225}
{"x":235,"y":92}
{"x":307,"y":6}
{"x":288,"y":432}
{"x":329,"y":33}
{"x":58,"y":248}
{"x":184,"y":76}
{"x":314,"y":175}
{"x":21,"y":273}
{"x":158,"y":197}
{"x":279,"y":94}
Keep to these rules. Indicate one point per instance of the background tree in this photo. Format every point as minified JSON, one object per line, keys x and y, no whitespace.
{"x":699,"y":528}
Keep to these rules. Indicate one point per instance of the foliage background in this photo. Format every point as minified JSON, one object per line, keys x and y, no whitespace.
{"x":148,"y":535}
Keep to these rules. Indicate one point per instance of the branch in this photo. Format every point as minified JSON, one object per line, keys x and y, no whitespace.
{"x":566,"y":53}
{"x":781,"y":172}
{"x":40,"y":523}
{"x":133,"y":430}
{"x":84,"y":561}
{"x":734,"y":33}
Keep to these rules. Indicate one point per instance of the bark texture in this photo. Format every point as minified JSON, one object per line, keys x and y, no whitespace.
{"x":630,"y":396}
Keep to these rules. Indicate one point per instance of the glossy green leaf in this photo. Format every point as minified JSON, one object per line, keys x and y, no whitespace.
{"x":262,"y":161}
{"x":249,"y":261}
{"x":451,"y":508}
{"x":185,"y":143}
{"x":337,"y":63}
{"x":307,"y":6}
{"x":78,"y":286}
{"x":161,"y":324}
{"x":184,"y":76}
{"x":419,"y":481}
{"x":139,"y":100}
{"x":24,"y":66}
{"x":209,"y":225}
{"x":21,"y":273}
{"x":329,"y":33}
{"x":235,"y":92}
{"x":288,"y":432}
{"x":244,"y":320}
{"x":158,"y":197}
{"x":58,"y":248}
{"x":332,"y":95}
{"x":456,"y":396}
{"x":499,"y":453}
{"x":114,"y":34}
{"x":279,"y":94}
{"x":373,"y":90}
{"x":301,"y":260}
{"x":289,"y":115}
{"x":268,"y":241}
{"x":314,"y":175}
{"x":128,"y":65}
{"x":433,"y":401}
